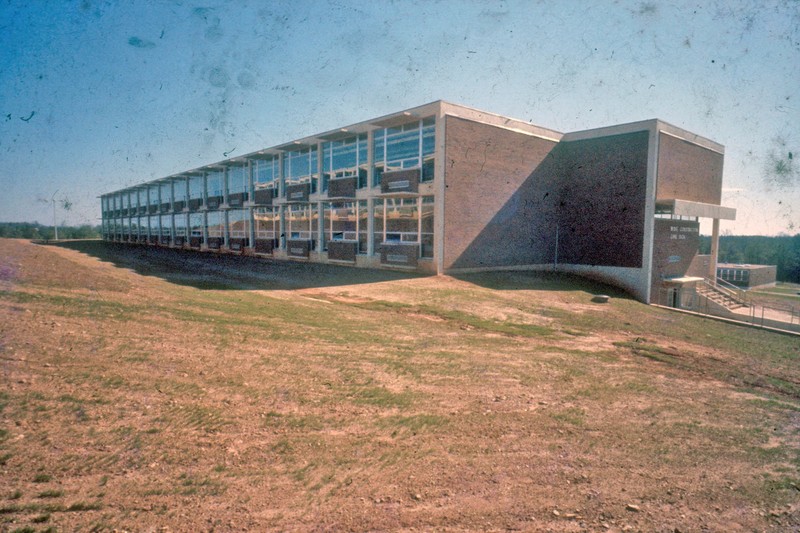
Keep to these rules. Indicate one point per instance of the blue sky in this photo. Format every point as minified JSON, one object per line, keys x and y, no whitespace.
{"x":95,"y":96}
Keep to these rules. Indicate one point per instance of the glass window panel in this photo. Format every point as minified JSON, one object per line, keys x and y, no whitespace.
{"x":299,"y":221}
{"x":214,"y":183}
{"x":363,"y":226}
{"x":402,"y":150}
{"x":196,"y":224}
{"x":196,"y":187}
{"x":377,"y":221}
{"x":153,"y":192}
{"x":238,"y":223}
{"x":215,"y":226}
{"x":179,"y":190}
{"x":296,"y":167}
{"x":342,"y":221}
{"x":378,"y":145}
{"x":426,"y":223}
{"x":180,"y":226}
{"x":267,"y":222}
{"x":166,"y":225}
{"x":166,"y":192}
{"x":237,"y":180}
{"x":406,"y":146}
{"x":428,"y":149}
{"x":402,"y":219}
{"x":265,"y":173}
{"x":345,"y":158}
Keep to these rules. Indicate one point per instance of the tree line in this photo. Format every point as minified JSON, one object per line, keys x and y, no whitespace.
{"x":782,"y":251}
{"x":34,"y":230}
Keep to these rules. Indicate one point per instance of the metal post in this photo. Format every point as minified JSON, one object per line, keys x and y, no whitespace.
{"x":55,"y":224}
{"x":712,"y":264}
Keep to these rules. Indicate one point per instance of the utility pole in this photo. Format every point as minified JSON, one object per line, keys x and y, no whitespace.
{"x":55,"y":224}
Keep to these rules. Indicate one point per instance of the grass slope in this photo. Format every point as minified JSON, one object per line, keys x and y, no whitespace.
{"x":195,"y":392}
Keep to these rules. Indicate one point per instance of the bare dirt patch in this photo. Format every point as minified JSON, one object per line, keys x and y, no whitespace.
{"x":147,"y":388}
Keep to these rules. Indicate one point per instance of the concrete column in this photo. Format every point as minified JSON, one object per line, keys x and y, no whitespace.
{"x":281,"y":177}
{"x":320,"y":168}
{"x":226,"y":234}
{"x":370,"y":225}
{"x":251,"y":226}
{"x":370,"y":158}
{"x":205,"y":228}
{"x":250,"y":190}
{"x":225,"y":186}
{"x":282,"y":229}
{"x":712,"y":264}
{"x":320,"y":227}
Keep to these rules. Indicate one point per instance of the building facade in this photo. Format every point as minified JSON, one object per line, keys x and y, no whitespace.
{"x":748,"y":276}
{"x":443,"y":188}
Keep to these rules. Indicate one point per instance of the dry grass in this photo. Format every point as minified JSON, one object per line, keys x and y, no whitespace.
{"x":196,"y":392}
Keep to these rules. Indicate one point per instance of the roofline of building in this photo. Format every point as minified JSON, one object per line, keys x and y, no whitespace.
{"x":653,"y":124}
{"x":502,"y":121}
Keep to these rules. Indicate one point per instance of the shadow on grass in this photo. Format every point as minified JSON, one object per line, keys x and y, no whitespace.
{"x":541,"y":281}
{"x":214,"y":271}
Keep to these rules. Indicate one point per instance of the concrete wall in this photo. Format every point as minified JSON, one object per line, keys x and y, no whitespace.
{"x":687,"y":171}
{"x":489,"y":193}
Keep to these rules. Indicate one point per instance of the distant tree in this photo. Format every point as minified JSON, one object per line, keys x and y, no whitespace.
{"x":34,"y":230}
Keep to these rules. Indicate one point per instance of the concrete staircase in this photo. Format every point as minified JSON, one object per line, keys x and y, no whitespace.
{"x":730,"y":298}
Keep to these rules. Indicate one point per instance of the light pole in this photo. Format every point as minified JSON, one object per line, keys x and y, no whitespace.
{"x":55,"y":224}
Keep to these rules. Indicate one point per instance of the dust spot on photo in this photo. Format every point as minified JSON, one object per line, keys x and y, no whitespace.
{"x":647,"y":9}
{"x":214,"y":33}
{"x":246,"y":80}
{"x":136,"y":42}
{"x":218,"y":77}
{"x":780,"y":169}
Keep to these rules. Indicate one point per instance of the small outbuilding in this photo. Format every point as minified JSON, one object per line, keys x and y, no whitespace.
{"x":747,"y":276}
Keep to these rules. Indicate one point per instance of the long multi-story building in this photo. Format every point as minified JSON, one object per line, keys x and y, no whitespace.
{"x":444,"y":188}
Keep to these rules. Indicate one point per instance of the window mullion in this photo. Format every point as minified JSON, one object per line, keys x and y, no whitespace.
{"x":419,"y":147}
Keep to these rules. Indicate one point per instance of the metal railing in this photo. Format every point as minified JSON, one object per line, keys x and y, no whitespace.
{"x":729,"y":296}
{"x":772,"y":315}
{"x":766,"y":315}
{"x":739,"y":292}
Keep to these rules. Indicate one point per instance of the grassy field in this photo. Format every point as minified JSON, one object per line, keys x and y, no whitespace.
{"x":149,"y":389}
{"x":781,"y":295}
